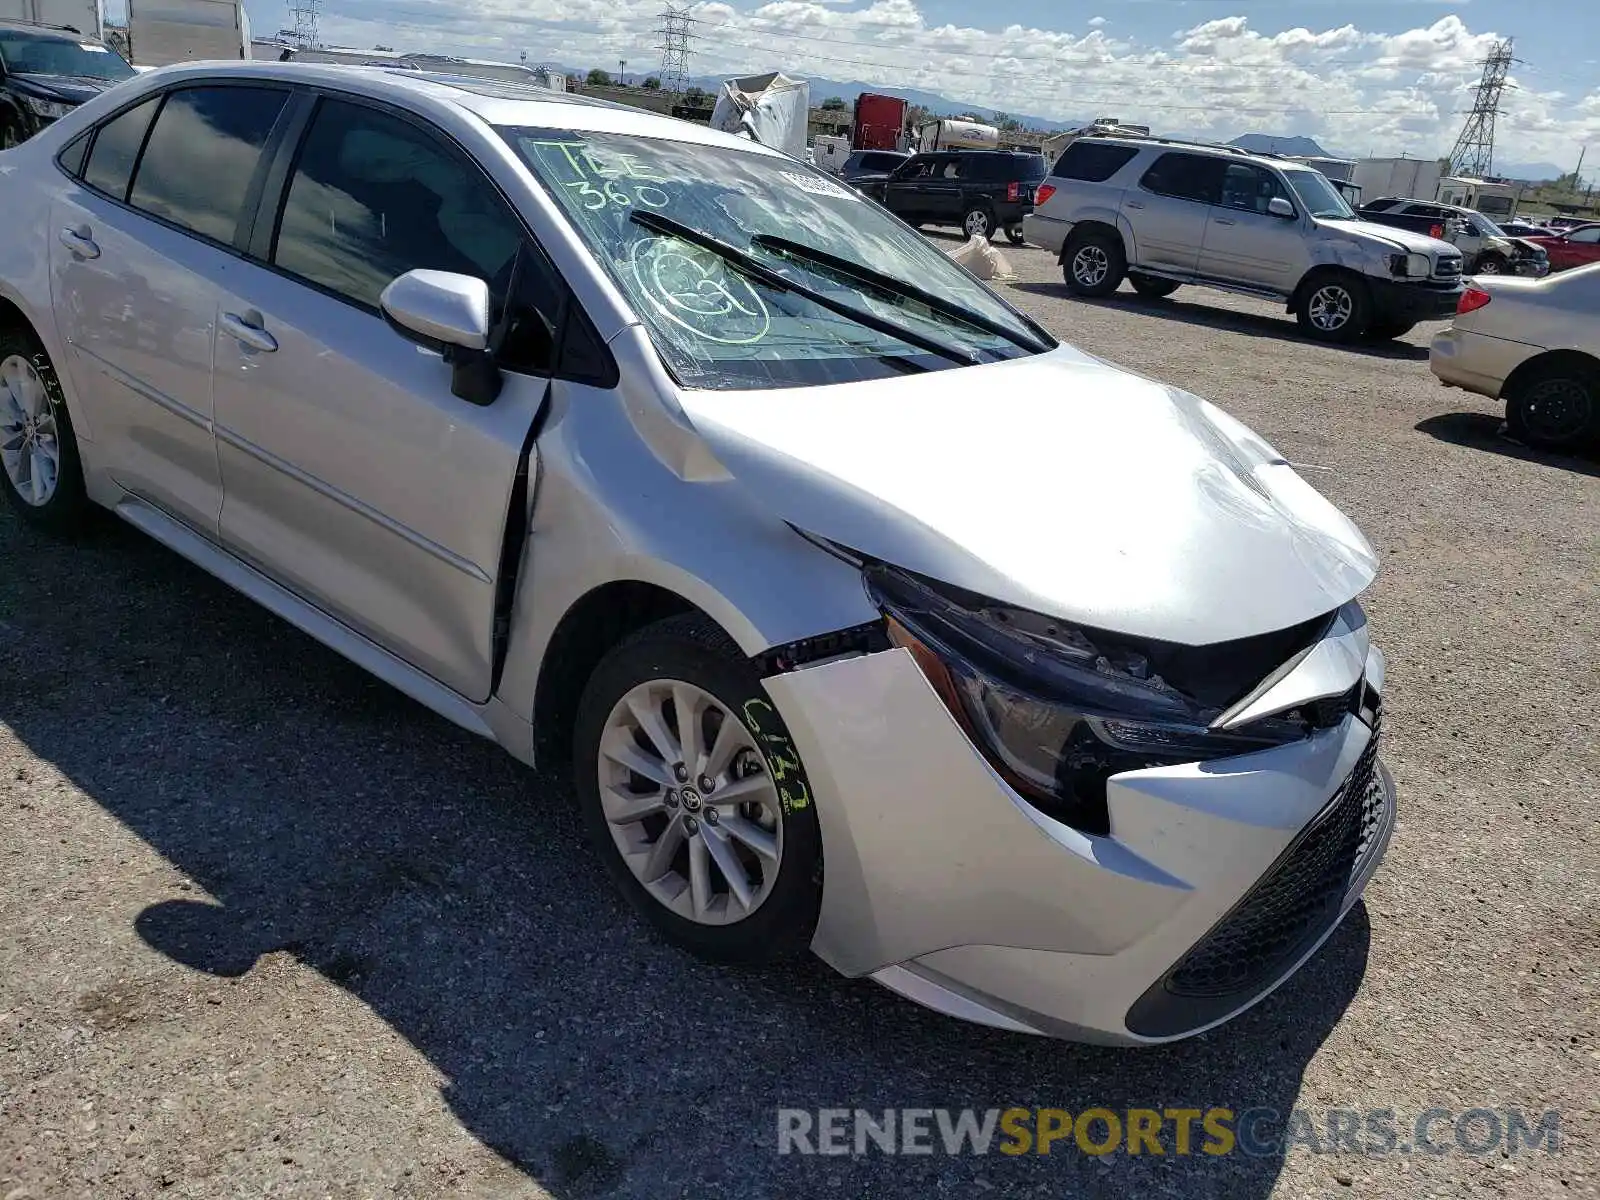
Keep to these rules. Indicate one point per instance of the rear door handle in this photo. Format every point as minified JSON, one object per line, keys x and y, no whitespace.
{"x":250,"y":335}
{"x":1224,"y":220}
{"x":1133,"y":204}
{"x":79,"y":242}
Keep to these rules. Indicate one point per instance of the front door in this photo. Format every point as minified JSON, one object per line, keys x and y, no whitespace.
{"x":1244,"y":243}
{"x":137,"y":252}
{"x":1169,"y":210}
{"x":351,"y":473}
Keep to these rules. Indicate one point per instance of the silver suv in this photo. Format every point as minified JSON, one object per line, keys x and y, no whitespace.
{"x":1164,"y":213}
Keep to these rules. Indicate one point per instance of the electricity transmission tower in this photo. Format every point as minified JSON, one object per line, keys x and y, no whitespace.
{"x":1474,"y":151}
{"x":306,"y":14}
{"x":674,"y":47}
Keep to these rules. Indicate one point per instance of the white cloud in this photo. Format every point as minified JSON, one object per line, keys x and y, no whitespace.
{"x":1096,"y":22}
{"x":1353,"y":89}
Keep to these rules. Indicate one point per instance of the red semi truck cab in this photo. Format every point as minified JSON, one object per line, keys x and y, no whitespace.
{"x":880,"y":122}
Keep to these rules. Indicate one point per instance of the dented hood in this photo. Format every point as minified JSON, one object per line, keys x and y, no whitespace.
{"x":1057,"y":483}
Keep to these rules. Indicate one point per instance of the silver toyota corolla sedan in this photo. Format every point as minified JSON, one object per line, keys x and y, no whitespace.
{"x":870,"y":619}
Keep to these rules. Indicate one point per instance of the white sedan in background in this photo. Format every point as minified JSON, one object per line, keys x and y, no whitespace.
{"x":1534,"y":343}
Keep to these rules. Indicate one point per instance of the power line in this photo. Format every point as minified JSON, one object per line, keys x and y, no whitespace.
{"x":674,"y":47}
{"x":307,"y":15}
{"x":1474,"y":149}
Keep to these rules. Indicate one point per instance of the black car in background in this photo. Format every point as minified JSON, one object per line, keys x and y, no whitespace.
{"x":46,"y":72}
{"x":870,"y":164}
{"x":982,"y":191}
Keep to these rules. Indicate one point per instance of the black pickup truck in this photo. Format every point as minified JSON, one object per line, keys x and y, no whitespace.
{"x":1485,"y":247}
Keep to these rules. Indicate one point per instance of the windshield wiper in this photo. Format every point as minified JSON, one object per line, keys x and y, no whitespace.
{"x":895,"y":287}
{"x":755,"y":269}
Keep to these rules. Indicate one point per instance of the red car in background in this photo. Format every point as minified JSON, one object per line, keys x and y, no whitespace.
{"x":1573,"y":248}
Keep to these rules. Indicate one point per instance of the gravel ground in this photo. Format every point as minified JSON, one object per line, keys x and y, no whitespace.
{"x":270,"y":928}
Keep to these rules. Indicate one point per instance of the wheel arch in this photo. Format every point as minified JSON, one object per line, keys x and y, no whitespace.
{"x":1100,"y":221}
{"x":1584,"y":363}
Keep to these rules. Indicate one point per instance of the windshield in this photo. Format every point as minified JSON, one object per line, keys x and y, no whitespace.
{"x":1484,"y":227}
{"x":718,"y":327}
{"x":1320,"y":198}
{"x":27,"y":54}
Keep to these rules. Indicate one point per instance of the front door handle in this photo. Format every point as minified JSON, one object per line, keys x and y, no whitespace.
{"x":249,"y":334}
{"x":1133,"y":204}
{"x":1224,"y":220}
{"x":79,"y":242}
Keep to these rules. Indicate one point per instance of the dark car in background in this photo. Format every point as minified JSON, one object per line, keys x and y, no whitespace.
{"x":870,"y":165}
{"x":982,"y":191}
{"x":46,"y":72}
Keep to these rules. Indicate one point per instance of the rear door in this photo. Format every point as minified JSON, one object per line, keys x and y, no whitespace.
{"x":1244,"y":243}
{"x":1575,"y":249}
{"x":140,"y":248}
{"x":1169,"y":209}
{"x":351,"y":473}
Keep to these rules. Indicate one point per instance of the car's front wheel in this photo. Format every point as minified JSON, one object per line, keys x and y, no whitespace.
{"x":1489,"y":264}
{"x":1555,"y":408}
{"x":695,"y":797}
{"x":1334,"y":308}
{"x":39,"y":467}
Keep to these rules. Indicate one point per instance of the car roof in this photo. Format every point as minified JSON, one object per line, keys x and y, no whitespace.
{"x":493,"y":101}
{"x":1178,"y":146}
{"x":56,"y":33}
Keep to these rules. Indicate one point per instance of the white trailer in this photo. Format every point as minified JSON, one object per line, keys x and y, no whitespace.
{"x":1413,"y":178}
{"x":771,"y":109}
{"x":175,"y":31}
{"x":1494,"y":198}
{"x":957,"y":135}
{"x":830,"y":152}
{"x":81,"y":16}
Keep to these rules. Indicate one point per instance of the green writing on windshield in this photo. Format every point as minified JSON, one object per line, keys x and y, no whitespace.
{"x":601,"y":179}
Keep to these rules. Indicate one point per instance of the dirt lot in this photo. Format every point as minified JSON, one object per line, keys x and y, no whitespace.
{"x":271,"y":929}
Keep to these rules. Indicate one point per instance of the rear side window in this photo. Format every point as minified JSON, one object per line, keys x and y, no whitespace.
{"x":1185,"y":177}
{"x":1092,"y":162}
{"x":75,"y":155}
{"x":201,"y":155}
{"x":116,"y":148}
{"x":373,"y":197}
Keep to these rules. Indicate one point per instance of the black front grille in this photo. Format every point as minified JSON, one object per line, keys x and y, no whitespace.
{"x":1296,"y":901}
{"x":1447,"y":268}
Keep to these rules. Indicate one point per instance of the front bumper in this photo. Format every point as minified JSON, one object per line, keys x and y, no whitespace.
{"x":944,"y":885}
{"x":1394,"y":300}
{"x":1531,"y":268}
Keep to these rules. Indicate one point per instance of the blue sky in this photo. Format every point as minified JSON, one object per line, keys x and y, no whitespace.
{"x":1359,"y":75}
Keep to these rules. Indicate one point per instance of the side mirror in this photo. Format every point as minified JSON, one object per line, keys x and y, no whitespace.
{"x":449,"y":314}
{"x":1279,"y":207}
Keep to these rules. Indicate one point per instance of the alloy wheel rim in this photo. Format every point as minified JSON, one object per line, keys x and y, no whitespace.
{"x":1090,"y":265}
{"x":1489,"y":268}
{"x":689,"y":802}
{"x":976,"y":223}
{"x":1557,"y":409}
{"x":30,"y":442}
{"x":1331,"y":307}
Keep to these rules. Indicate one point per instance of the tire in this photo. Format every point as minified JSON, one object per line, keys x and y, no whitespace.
{"x":1094,"y":263}
{"x":1384,"y":331}
{"x":40,"y":471}
{"x":1489,"y":264}
{"x":11,"y":133}
{"x":1152,"y":288}
{"x":1014,"y":235}
{"x":978,"y":221}
{"x":690,"y":656}
{"x":1334,"y":307}
{"x":1557,"y":408}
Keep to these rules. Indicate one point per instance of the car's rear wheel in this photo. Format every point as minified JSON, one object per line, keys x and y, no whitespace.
{"x":1094,"y":263}
{"x":1334,"y":308}
{"x":1557,"y":408}
{"x":1153,"y":288}
{"x":1014,"y":235}
{"x":39,"y":466}
{"x":695,"y":796}
{"x":978,"y":222}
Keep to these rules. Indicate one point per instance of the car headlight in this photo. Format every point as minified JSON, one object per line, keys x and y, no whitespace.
{"x":1058,"y":709}
{"x":1411,"y":266}
{"x":52,"y":110}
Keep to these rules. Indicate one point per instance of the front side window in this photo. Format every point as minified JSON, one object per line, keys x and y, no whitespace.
{"x":1249,"y":189}
{"x":1585,"y":237}
{"x":201,"y":155}
{"x":116,"y":149}
{"x":32,"y":54}
{"x":1318,"y":196}
{"x":373,"y":197}
{"x":717,"y":326}
{"x":1185,"y":177}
